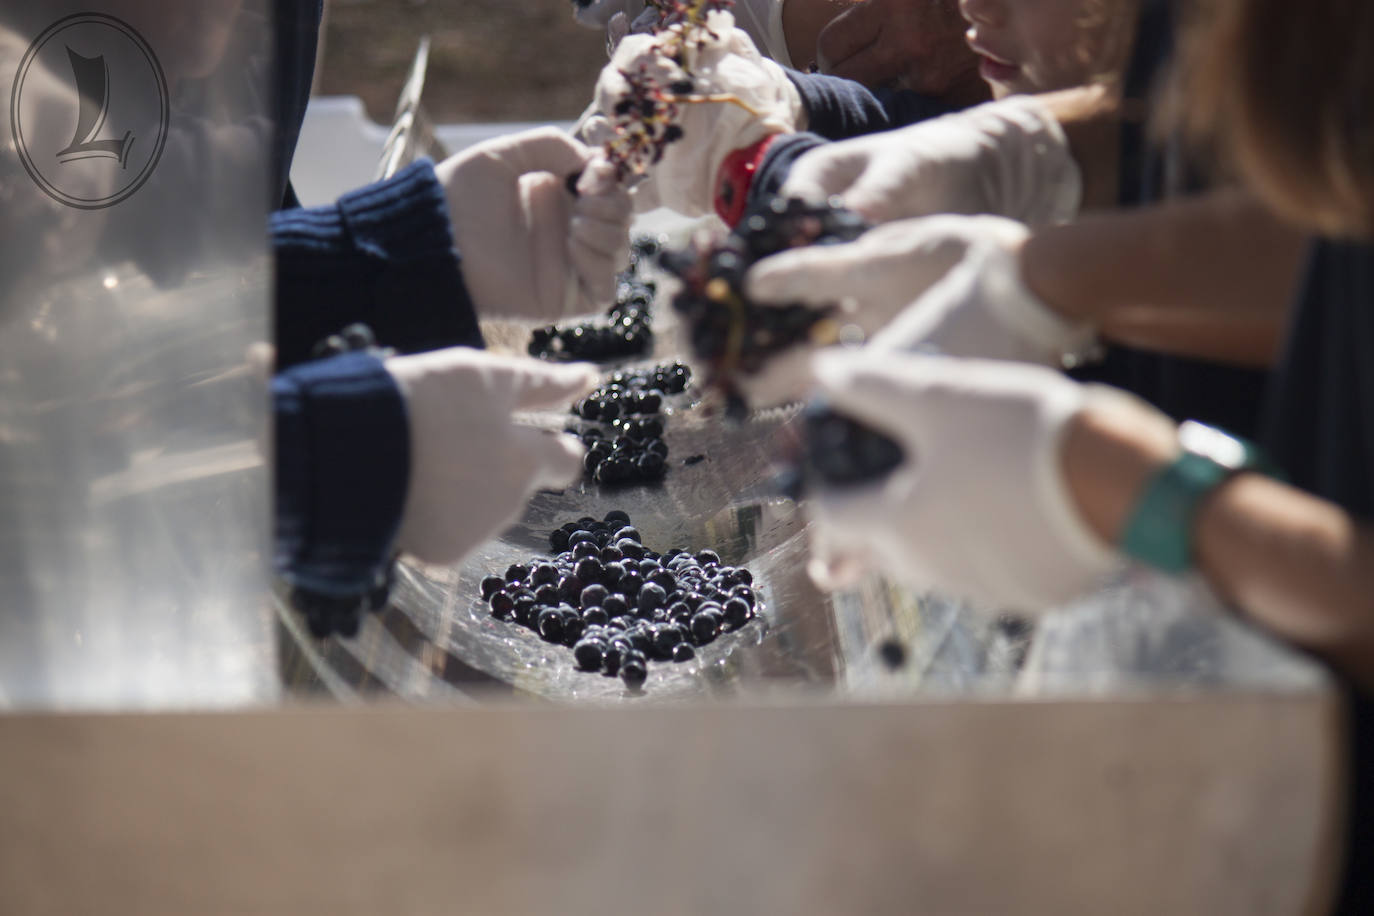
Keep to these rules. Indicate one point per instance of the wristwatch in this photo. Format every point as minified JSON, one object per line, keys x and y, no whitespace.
{"x":1159,"y":531}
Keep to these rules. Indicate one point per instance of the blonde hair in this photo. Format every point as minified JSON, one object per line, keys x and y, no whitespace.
{"x":1283,"y":92}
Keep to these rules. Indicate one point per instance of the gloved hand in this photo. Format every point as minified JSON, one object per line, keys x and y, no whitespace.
{"x":531,"y":249}
{"x":875,"y":276}
{"x":982,"y":306}
{"x":980,"y":508}
{"x":685,"y":178}
{"x":1008,"y":158}
{"x":964,"y":274}
{"x":471,"y":467}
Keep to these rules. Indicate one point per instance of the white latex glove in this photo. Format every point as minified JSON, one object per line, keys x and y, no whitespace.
{"x":471,"y":467}
{"x":1009,"y":158}
{"x":963,"y":273}
{"x":980,"y":507}
{"x":531,"y":249}
{"x":875,"y":276}
{"x":982,"y":306}
{"x":685,"y":178}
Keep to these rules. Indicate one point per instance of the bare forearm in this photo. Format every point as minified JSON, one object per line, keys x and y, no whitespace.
{"x":1296,"y":565}
{"x":1211,"y":276}
{"x":1091,"y":119}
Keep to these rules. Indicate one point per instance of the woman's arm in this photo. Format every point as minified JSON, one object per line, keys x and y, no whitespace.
{"x":1209,"y":277}
{"x":1294,"y":564}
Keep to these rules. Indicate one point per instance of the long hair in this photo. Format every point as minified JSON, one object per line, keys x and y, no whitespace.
{"x":1283,"y":92}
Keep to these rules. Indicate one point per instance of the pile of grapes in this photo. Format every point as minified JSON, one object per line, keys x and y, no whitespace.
{"x":632,"y":450}
{"x":625,"y":334}
{"x":619,"y":605}
{"x":731,"y":335}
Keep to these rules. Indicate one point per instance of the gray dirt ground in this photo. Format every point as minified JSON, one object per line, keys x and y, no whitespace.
{"x":490,"y":60}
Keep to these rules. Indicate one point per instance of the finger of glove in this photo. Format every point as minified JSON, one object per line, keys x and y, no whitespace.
{"x":594,"y":129}
{"x":598,"y":183}
{"x":879,"y":390}
{"x":557,"y":458}
{"x":520,"y":383}
{"x":547,"y":208}
{"x":824,"y":173}
{"x":595,"y":271}
{"x":783,"y":379}
{"x":544,"y":149}
{"x":632,"y":50}
{"x":607,"y":237}
{"x":817,"y":275}
{"x":590,"y":237}
{"x":616,"y":30}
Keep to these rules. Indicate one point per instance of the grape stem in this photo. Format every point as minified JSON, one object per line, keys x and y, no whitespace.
{"x":725,"y":98}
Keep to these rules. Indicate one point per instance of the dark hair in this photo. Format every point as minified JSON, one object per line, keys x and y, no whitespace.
{"x":1283,"y":92}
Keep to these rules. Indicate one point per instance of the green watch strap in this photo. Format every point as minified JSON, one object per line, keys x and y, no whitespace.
{"x":1160,"y":529}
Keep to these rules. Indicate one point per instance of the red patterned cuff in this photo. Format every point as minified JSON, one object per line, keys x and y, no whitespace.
{"x":734,"y":178}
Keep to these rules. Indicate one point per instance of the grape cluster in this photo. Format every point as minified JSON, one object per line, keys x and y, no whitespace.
{"x":689,"y":13}
{"x":619,"y":605}
{"x":632,"y":450}
{"x":644,"y":122}
{"x":625,"y":334}
{"x":631,"y":392}
{"x":729,"y":333}
{"x":839,"y":452}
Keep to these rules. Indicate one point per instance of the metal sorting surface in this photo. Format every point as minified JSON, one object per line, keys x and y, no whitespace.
{"x":437,"y":639}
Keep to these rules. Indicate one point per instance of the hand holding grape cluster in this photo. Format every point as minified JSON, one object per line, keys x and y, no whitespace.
{"x":673,"y":104}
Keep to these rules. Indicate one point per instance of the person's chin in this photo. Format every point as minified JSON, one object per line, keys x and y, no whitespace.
{"x":1003,"y":88}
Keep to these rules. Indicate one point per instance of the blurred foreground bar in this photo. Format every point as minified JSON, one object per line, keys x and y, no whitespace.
{"x":1209,"y":804}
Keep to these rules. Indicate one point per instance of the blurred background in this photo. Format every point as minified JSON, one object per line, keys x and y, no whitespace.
{"x":490,"y":60}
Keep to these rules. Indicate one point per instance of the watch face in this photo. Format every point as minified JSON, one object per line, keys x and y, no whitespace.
{"x":1212,"y":443}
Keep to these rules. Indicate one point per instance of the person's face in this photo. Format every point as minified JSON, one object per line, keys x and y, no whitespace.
{"x":1028,"y":46}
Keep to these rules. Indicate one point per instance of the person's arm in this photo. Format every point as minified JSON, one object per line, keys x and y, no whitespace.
{"x":342,"y":467}
{"x":1209,"y":277}
{"x":909,"y":44}
{"x":383,"y":255}
{"x":838,"y":109}
{"x":1090,"y":117}
{"x":1296,"y":565}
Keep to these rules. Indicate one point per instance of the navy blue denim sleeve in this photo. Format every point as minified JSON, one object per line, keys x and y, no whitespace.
{"x":777,"y":163}
{"x":383,"y":255}
{"x":838,"y":109}
{"x":342,"y":469}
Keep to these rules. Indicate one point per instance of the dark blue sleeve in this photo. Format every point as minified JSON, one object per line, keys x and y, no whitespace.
{"x":383,"y":255}
{"x":838,"y":109}
{"x":342,"y":468}
{"x":777,"y":163}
